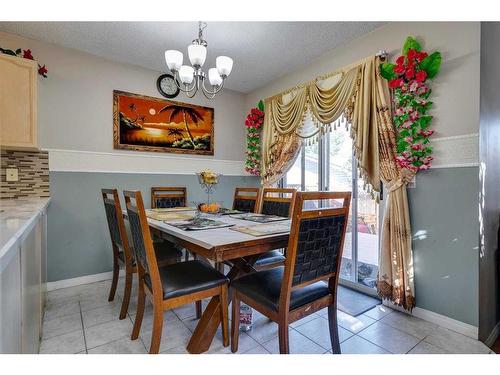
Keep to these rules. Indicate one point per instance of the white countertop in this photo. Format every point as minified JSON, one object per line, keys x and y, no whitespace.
{"x":16,"y":217}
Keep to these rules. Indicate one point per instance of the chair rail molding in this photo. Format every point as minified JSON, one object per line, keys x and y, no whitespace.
{"x":121,"y":162}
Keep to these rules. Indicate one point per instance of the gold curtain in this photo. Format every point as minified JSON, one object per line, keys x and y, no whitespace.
{"x":359,"y":93}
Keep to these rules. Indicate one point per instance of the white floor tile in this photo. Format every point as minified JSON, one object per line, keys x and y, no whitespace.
{"x":104,"y":333}
{"x":304,"y":320}
{"x":61,"y":307}
{"x":245,"y":343}
{"x":378,"y":312}
{"x":354,"y":324}
{"x":173,"y":335}
{"x":61,"y":325}
{"x":299,"y":344}
{"x":389,"y":338}
{"x":318,"y":331}
{"x":409,"y":324}
{"x":426,"y":348}
{"x":263,"y":330}
{"x":121,"y":346}
{"x":68,"y":343}
{"x":358,"y":345}
{"x":257,"y":350}
{"x":455,"y":343}
{"x":102,"y":314}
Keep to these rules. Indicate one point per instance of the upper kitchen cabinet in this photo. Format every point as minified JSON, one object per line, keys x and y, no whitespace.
{"x":18,"y":102}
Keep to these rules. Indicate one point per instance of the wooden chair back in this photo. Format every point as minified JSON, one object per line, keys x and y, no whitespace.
{"x":143,"y":244}
{"x":246,"y":199}
{"x":116,"y":224}
{"x":278,"y":201}
{"x":316,"y":242}
{"x":168,"y":197}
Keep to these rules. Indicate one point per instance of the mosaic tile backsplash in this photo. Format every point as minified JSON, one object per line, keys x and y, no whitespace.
{"x":33,"y":174}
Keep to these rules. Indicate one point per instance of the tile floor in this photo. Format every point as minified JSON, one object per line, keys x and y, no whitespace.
{"x":81,"y":320}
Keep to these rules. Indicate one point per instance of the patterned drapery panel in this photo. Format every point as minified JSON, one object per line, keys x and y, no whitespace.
{"x":359,"y":93}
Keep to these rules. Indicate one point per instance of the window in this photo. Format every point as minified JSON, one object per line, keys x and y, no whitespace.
{"x":330,"y":165}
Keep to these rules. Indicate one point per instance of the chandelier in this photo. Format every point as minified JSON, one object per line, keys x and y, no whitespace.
{"x":193,"y":78}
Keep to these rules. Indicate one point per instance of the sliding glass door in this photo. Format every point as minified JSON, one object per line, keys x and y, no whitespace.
{"x":330,"y":165}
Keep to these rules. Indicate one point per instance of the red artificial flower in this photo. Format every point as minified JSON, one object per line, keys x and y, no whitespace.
{"x":400,"y":60}
{"x":27,"y":54}
{"x":398,"y":82}
{"x":421,"y":76}
{"x":410,"y":73}
{"x":412,"y":54}
{"x":399,"y":69}
{"x":421,"y":56}
{"x":42,"y":70}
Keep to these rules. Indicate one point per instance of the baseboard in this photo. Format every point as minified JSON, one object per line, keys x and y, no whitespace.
{"x":494,"y":334}
{"x":441,"y":320}
{"x":87,"y":279}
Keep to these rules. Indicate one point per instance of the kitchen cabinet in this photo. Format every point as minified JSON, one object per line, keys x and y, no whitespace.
{"x":18,"y":102}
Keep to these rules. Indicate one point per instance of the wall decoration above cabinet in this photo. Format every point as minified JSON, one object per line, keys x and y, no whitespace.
{"x":145,"y":123}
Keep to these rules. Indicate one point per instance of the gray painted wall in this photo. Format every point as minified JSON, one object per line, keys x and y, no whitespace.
{"x":78,"y":236}
{"x":489,"y":156}
{"x":445,"y":227}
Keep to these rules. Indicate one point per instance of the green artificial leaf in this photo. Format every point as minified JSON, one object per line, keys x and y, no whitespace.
{"x":261,"y":105}
{"x":387,"y":71}
{"x":424,"y":121}
{"x":8,"y":51}
{"x":431,"y":64}
{"x":404,"y":133}
{"x":18,"y":51}
{"x":427,"y":94}
{"x":410,"y":43}
{"x":417,"y":163}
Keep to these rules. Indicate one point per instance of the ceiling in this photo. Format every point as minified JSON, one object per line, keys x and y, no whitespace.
{"x":262,"y":51}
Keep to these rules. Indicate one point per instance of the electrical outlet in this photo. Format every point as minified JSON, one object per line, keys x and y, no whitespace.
{"x":11,"y":174}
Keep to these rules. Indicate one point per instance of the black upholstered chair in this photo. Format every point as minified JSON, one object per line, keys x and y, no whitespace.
{"x":168,"y":197}
{"x":287,"y":294}
{"x":172,"y":285}
{"x":246,"y":199}
{"x":275,"y":201}
{"x":123,"y":253}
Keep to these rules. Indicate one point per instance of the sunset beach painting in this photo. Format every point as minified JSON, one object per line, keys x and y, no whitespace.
{"x":145,"y":123}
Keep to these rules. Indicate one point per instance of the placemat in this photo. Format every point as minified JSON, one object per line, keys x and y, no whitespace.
{"x":168,"y":216}
{"x":259,"y":218}
{"x":267,"y":229}
{"x":199,"y":223}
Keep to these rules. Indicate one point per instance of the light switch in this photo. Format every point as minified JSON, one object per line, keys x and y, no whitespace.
{"x":12,"y":174}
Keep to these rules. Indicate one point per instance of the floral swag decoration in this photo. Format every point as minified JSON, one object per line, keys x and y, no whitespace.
{"x":25,"y":54}
{"x":253,"y":123}
{"x":409,"y":78}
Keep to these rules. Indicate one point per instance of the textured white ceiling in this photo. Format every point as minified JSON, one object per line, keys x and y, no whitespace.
{"x":262,"y":51}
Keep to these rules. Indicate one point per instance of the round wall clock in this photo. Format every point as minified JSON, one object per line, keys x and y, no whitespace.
{"x":166,"y":86}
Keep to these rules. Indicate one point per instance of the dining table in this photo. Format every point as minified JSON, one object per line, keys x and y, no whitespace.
{"x":225,"y":245}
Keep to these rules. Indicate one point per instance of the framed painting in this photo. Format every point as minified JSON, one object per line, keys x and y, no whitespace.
{"x":145,"y":123}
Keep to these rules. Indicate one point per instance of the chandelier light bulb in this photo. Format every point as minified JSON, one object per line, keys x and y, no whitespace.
{"x":214,"y":77}
{"x":186,"y":74}
{"x":197,"y":54}
{"x":174,"y":59}
{"x":224,"y":65}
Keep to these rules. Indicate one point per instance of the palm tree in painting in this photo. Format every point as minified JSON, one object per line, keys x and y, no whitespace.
{"x":186,"y":114}
{"x":176,"y":133}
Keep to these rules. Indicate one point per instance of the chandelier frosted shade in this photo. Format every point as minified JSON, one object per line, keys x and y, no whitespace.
{"x":224,"y":65}
{"x":214,"y":77}
{"x":174,"y":59}
{"x":186,"y":74}
{"x":197,"y":54}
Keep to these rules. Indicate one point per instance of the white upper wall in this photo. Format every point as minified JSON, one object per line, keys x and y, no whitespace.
{"x":75,"y":102}
{"x":455,"y":90}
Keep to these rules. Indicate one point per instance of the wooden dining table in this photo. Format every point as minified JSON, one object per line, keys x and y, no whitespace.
{"x":221,"y":245}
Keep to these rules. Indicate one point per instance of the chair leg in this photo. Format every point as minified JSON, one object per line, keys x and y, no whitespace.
{"x":114,"y":282}
{"x":283,"y":338}
{"x":198,"y":309}
{"x":334,"y":330}
{"x":235,"y":322}
{"x":157,"y":328}
{"x":223,"y":315}
{"x":141,"y":301}
{"x":127,"y":292}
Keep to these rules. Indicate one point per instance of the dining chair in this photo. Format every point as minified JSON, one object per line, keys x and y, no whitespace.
{"x":297,"y":289}
{"x":122,"y":251}
{"x":168,"y":197}
{"x":172,"y":285}
{"x":246,"y":199}
{"x":279,"y":202}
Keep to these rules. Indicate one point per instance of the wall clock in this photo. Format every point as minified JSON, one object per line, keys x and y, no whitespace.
{"x":166,"y":86}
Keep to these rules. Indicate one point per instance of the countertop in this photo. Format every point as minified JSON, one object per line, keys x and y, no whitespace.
{"x":16,"y":217}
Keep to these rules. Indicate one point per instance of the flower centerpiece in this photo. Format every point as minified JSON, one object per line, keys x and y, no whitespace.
{"x":25,"y":54}
{"x":208,"y":181}
{"x":409,"y":79}
{"x":253,"y":123}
